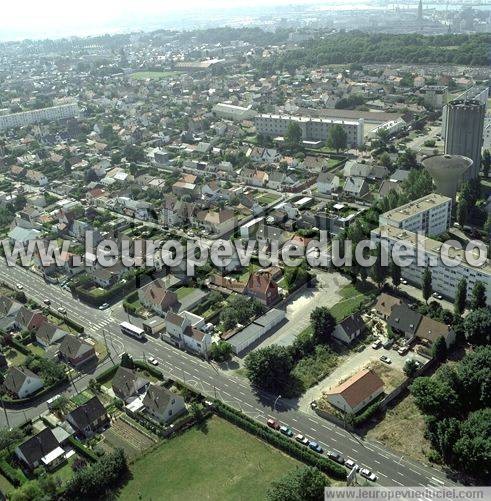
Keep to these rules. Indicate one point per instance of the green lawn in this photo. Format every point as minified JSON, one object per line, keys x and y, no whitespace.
{"x":219,"y":462}
{"x":182,"y":292}
{"x":352,"y":299}
{"x":5,"y":486}
{"x":268,"y":198}
{"x":154,"y":75}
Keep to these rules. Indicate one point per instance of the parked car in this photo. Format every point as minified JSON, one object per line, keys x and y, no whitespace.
{"x":403,"y":350}
{"x":153,"y":361}
{"x":61,"y":310}
{"x":286,"y":431}
{"x":272,"y":423}
{"x":403,"y":281}
{"x":104,"y":306}
{"x":377,"y":344}
{"x":349,"y":463}
{"x":385,"y":359}
{"x":336,"y":457}
{"x":313,"y":404}
{"x":388,"y":344}
{"x":316,"y":447}
{"x":47,"y":301}
{"x":365,"y":472}
{"x":302,"y":440}
{"x":19,"y":286}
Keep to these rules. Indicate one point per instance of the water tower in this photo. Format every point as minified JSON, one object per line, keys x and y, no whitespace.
{"x":447,"y":172}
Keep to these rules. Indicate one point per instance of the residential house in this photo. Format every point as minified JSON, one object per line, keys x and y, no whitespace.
{"x":182,"y":334}
{"x":156,"y":297}
{"x":356,"y":392}
{"x":430,"y":330}
{"x":127,"y":384}
{"x":403,"y":320}
{"x":162,"y":404}
{"x":349,"y":329}
{"x":28,"y":320}
{"x":22,"y":236}
{"x":266,"y":234}
{"x":385,"y":303}
{"x":42,"y":449}
{"x":220,"y":221}
{"x":262,"y":287}
{"x":327,"y":183}
{"x":8,"y":306}
{"x":352,"y":168}
{"x":356,"y":187}
{"x":36,"y":177}
{"x":88,"y":418}
{"x":76,"y":351}
{"x":49,"y":334}
{"x":21,"y":382}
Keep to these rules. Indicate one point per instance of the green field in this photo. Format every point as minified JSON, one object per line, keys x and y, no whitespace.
{"x":353,"y":298}
{"x":217,"y":462}
{"x":154,"y":75}
{"x":184,"y":292}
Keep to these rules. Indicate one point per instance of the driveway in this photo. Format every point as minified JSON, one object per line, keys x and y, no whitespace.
{"x":301,"y":304}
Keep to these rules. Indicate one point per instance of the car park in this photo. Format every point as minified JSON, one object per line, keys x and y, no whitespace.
{"x":301,"y":439}
{"x":272,"y":423}
{"x":153,"y":361}
{"x":349,"y":463}
{"x":385,"y":359}
{"x":286,"y":431}
{"x":316,"y":447}
{"x":377,"y":344}
{"x":365,"y":472}
{"x":336,"y":457}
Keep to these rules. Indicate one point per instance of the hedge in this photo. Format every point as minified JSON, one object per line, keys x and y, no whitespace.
{"x":369,"y":412}
{"x":82,"y":450}
{"x":149,"y":368}
{"x":107,"y":374}
{"x":19,"y":347}
{"x":13,"y":475}
{"x":280,"y":441}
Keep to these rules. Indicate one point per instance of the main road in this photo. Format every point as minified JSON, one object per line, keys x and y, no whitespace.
{"x":391,"y":468}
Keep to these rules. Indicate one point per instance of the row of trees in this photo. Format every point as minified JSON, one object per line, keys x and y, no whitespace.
{"x":337,"y":138}
{"x":456,"y":404}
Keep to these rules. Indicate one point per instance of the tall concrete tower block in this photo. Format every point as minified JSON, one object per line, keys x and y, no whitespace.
{"x":447,"y":172}
{"x":464,"y":126}
{"x":420,"y":10}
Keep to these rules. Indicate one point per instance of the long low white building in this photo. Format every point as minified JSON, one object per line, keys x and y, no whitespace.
{"x":445,"y":278}
{"x":313,"y":129}
{"x":31,"y":117}
{"x":233,"y":112}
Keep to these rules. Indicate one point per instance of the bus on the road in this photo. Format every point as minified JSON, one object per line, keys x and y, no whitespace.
{"x":132,"y":330}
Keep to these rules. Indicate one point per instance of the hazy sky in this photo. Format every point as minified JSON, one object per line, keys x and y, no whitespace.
{"x":55,"y":18}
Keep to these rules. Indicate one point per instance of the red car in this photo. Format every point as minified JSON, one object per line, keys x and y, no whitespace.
{"x":272,"y":423}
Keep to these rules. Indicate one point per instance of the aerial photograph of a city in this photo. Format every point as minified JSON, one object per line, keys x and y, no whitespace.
{"x":245,"y":250}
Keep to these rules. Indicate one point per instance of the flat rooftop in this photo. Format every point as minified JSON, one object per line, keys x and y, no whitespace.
{"x":431,"y":246}
{"x":415,"y":207}
{"x":304,"y":119}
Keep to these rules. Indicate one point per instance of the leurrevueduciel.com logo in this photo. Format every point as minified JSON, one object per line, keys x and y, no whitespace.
{"x":416,"y":493}
{"x":320,"y":252}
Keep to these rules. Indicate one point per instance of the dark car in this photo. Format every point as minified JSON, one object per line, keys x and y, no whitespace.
{"x":316,"y":447}
{"x":336,"y":457}
{"x":272,"y":423}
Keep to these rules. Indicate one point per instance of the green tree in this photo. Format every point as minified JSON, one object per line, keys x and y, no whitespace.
{"x":478,"y":299}
{"x":385,"y":160}
{"x":460,"y":297}
{"x":435,"y":397}
{"x":127,"y":361}
{"x":426,"y":287}
{"x":323,"y":324}
{"x":407,"y":160}
{"x":60,"y":404}
{"x":486,"y":163}
{"x":477,"y":326}
{"x":410,"y":367}
{"x":269,"y":368}
{"x":337,"y":138}
{"x":395,"y":273}
{"x":221,"y":351}
{"x":439,"y":349}
{"x":379,"y":272}
{"x":462,"y":212}
{"x":10,"y":437}
{"x":303,"y":484}
{"x":293,"y":136}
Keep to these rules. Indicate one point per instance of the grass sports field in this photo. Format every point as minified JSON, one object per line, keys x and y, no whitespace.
{"x":154,"y":75}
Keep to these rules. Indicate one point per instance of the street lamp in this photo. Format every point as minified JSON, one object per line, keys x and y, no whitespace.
{"x":276,"y":400}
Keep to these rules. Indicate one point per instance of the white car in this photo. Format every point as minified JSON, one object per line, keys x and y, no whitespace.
{"x":349,"y":463}
{"x":365,"y":472}
{"x":61,"y":310}
{"x":19,"y":286}
{"x":404,"y":282}
{"x":153,"y":361}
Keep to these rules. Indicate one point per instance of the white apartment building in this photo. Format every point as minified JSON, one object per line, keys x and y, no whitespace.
{"x":445,"y":278}
{"x":430,"y":215}
{"x":35,"y":116}
{"x":313,"y":129}
{"x":392,"y":127}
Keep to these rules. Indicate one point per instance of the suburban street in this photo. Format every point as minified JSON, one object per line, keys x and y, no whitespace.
{"x":213,"y":382}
